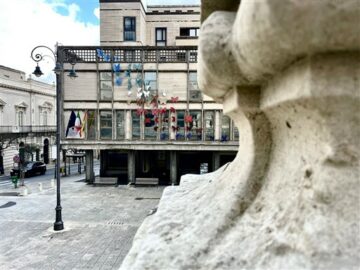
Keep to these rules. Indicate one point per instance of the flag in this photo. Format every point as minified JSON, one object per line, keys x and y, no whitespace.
{"x":71,"y":123}
{"x":82,"y":132}
{"x":78,"y":125}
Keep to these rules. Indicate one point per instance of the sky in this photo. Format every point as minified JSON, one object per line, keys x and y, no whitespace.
{"x":25,"y":24}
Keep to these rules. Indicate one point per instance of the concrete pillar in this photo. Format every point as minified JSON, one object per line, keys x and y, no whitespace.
{"x":173,"y":167}
{"x":131,"y":167}
{"x":128,"y":125}
{"x":217,"y":126}
{"x":89,"y":173}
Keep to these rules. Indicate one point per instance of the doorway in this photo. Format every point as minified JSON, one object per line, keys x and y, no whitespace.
{"x":46,"y":151}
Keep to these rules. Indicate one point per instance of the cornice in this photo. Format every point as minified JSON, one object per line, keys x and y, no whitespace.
{"x":26,"y":90}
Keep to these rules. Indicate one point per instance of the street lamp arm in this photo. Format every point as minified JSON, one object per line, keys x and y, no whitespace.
{"x":37,"y":57}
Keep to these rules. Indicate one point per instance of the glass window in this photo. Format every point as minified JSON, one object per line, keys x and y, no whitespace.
{"x":20,"y":119}
{"x":194,"y":126}
{"x":225,"y":128}
{"x":120,"y":125}
{"x":129,"y":29}
{"x":105,"y":86}
{"x":189,"y":32}
{"x":193,"y":33}
{"x":180,"y":128}
{"x":106,"y":125}
{"x":236,"y":132}
{"x":160,"y":34}
{"x":149,"y":123}
{"x":209,"y":125}
{"x":150,"y":79}
{"x":164,"y":132}
{"x":194,"y":91}
{"x":44,"y":118}
{"x":91,"y":125}
{"x":135,"y":125}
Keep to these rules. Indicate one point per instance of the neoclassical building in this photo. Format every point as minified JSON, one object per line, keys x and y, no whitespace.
{"x":136,"y":99}
{"x":27,"y":113}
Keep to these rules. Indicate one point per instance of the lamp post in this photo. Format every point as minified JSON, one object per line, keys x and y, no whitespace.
{"x":57,"y":56}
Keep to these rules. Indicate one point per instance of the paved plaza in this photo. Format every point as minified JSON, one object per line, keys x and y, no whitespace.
{"x":100,"y":223}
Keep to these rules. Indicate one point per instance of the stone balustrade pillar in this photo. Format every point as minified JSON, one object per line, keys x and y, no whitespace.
{"x":288,"y":74}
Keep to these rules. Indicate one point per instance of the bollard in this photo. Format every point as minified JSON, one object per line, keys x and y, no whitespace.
{"x":25,"y":192}
{"x":14,"y":180}
{"x":40,"y":187}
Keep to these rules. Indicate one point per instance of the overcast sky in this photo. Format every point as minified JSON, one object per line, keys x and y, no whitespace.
{"x":25,"y":24}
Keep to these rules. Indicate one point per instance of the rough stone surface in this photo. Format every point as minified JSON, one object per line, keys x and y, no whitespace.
{"x":291,"y":197}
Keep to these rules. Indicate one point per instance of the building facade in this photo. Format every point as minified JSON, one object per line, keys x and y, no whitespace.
{"x":136,"y":99}
{"x":27,"y":114}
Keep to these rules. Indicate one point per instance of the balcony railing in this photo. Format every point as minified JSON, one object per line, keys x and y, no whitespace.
{"x":127,"y":54}
{"x":27,"y":129}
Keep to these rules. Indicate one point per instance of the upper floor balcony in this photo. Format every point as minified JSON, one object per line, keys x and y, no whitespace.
{"x":186,"y":40}
{"x":128,"y":54}
{"x":9,"y":131}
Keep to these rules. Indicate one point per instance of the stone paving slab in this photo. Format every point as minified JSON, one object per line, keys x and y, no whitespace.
{"x":100,"y":223}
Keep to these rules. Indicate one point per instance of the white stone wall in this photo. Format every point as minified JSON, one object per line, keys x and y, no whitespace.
{"x":84,"y":87}
{"x":31,"y":97}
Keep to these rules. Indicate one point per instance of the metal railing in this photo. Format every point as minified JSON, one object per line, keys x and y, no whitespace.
{"x":127,"y":54}
{"x":27,"y":129}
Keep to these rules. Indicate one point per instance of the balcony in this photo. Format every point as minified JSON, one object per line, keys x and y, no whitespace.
{"x":186,"y":41}
{"x":127,"y":54}
{"x":11,"y":131}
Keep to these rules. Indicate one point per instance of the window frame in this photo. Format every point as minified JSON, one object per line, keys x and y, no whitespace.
{"x":196,"y":125}
{"x":163,"y":30}
{"x":132,"y":25}
{"x":106,"y":80}
{"x":135,"y":119}
{"x":209,"y":125}
{"x":195,"y":94}
{"x":44,"y":121}
{"x":20,"y":118}
{"x":152,"y":82}
{"x":186,"y":32}
{"x":91,"y":117}
{"x":180,"y":124}
{"x":120,"y":125}
{"x":226,"y":127}
{"x":149,"y":133}
{"x":109,"y":112}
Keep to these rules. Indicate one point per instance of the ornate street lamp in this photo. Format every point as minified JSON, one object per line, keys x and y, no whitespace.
{"x":58,"y":57}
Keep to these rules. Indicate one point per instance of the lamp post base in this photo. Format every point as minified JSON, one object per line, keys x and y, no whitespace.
{"x":58,"y":226}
